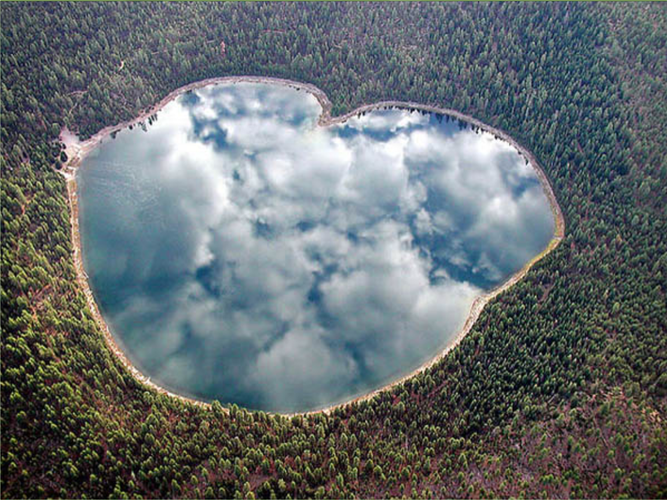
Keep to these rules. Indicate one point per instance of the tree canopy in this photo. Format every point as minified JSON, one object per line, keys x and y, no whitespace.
{"x":560,"y":388}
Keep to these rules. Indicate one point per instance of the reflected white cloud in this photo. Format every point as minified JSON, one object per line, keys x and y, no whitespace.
{"x":245,"y":254}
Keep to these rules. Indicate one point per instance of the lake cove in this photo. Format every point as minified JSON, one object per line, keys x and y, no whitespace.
{"x":241,"y":252}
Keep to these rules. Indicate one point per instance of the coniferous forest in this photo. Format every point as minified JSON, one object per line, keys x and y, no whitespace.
{"x":559,"y":390}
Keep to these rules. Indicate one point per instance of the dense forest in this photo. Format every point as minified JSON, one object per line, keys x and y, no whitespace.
{"x":560,"y":389}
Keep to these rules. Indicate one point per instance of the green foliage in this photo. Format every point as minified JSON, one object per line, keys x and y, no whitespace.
{"x":559,"y":390}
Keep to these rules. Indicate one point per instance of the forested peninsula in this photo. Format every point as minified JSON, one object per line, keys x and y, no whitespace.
{"x":559,"y":389}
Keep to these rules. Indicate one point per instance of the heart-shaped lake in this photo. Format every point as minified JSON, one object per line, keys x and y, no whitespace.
{"x":241,"y":252}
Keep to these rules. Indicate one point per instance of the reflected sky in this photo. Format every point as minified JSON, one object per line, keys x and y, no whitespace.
{"x":242,"y":253}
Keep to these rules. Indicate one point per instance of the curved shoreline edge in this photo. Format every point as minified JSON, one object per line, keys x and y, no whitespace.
{"x":77,"y":150}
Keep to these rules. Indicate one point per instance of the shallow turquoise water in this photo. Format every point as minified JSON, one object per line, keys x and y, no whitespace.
{"x":240,"y":252}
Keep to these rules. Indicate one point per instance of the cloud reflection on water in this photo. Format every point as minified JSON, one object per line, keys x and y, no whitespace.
{"x":245,"y":254}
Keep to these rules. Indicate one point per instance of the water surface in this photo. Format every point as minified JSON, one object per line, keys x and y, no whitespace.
{"x":240,"y":252}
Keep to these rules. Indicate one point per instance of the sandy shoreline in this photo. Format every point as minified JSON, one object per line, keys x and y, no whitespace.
{"x":77,"y":150}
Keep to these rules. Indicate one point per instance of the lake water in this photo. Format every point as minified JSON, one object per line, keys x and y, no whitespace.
{"x":240,"y":252}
